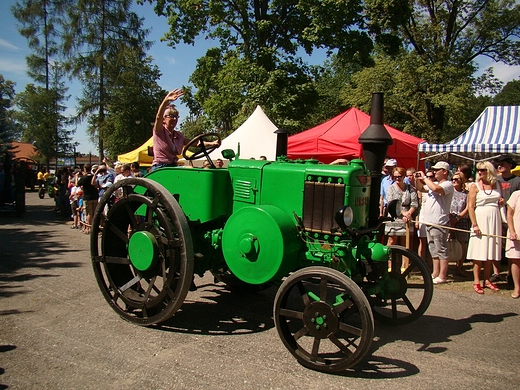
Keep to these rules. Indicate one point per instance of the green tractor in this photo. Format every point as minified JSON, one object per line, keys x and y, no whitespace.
{"x":299,"y":224}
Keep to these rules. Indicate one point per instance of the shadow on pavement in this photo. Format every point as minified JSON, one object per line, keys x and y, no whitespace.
{"x":26,"y":248}
{"x":219,"y":311}
{"x":430,"y":330}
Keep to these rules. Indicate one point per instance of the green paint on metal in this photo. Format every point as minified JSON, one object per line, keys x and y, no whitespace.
{"x":142,"y":250}
{"x":260,"y":244}
{"x":319,"y":321}
{"x":313,"y":296}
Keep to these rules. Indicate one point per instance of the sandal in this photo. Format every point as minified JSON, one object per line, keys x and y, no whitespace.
{"x":492,"y":286}
{"x":514,"y":296}
{"x":478,"y":288}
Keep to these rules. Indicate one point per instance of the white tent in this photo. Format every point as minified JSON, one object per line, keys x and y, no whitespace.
{"x":256,"y":138}
{"x":495,"y":131}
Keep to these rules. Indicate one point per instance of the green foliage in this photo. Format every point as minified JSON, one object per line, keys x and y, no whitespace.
{"x":7,"y":125}
{"x":230,"y":86}
{"x":40,"y":22}
{"x":41,"y":115}
{"x":134,"y":97}
{"x":429,"y":86}
{"x":257,"y":62}
{"x":99,"y":32}
{"x":509,"y":95}
{"x":420,"y":98}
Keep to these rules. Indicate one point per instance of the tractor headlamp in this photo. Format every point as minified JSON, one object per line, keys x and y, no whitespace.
{"x":344,"y":216}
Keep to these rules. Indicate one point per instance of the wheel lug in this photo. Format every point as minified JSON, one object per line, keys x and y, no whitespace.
{"x":312,"y":319}
{"x":324,"y":317}
{"x":316,"y":314}
{"x":317,"y":327}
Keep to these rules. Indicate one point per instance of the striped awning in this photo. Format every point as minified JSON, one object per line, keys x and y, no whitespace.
{"x":496,"y":130}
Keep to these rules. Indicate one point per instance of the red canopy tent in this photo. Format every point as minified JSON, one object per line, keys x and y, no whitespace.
{"x":338,"y":138}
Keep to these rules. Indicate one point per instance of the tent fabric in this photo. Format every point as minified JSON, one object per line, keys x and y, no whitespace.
{"x":139,"y":154}
{"x":496,"y":130}
{"x":338,"y":138}
{"x":256,"y":138}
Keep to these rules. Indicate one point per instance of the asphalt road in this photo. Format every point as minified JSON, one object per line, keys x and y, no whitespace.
{"x":57,"y":331}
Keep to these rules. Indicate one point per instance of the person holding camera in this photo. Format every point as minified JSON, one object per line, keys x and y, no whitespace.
{"x":436,"y":213}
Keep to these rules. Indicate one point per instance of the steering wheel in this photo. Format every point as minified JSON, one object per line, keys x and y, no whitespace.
{"x":198,"y":149}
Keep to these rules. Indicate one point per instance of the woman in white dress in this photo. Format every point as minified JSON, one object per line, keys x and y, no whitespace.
{"x":513,"y":244}
{"x":484,"y":201}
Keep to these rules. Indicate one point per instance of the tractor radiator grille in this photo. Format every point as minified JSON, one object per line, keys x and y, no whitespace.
{"x":320,"y":203}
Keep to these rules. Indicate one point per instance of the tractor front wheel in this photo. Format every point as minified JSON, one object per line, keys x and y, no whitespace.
{"x":323,"y":319}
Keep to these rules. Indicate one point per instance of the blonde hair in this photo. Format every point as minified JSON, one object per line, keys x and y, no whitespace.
{"x":171,"y":111}
{"x":491,"y":174}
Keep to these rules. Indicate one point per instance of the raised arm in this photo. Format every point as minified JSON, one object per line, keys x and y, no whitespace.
{"x":171,"y":97}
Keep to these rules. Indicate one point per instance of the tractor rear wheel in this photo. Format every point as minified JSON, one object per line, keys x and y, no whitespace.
{"x":406,"y":293}
{"x":142,"y":254}
{"x":323,"y":319}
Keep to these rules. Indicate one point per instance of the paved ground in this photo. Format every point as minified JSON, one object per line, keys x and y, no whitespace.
{"x":57,"y":332}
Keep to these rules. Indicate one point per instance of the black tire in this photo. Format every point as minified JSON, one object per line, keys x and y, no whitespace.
{"x":144,"y":207}
{"x":323,"y":319}
{"x":41,"y":193}
{"x":407,"y":294}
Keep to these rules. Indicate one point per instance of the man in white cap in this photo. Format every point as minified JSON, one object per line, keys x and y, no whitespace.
{"x":386,"y":181}
{"x":436,"y":211}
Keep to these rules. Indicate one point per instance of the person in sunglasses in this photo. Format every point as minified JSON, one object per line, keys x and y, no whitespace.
{"x":484,"y":202}
{"x":436,"y":211}
{"x":168,"y":143}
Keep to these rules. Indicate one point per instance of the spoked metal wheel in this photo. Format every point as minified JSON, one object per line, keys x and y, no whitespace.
{"x":143,"y":254}
{"x":405,"y":293}
{"x":323,"y":319}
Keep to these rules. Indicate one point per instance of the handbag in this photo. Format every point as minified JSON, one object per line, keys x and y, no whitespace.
{"x":454,"y":249}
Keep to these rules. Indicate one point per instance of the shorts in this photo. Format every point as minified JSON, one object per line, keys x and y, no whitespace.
{"x":90,"y":206}
{"x":437,"y":242}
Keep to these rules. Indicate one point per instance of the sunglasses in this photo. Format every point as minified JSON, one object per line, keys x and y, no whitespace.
{"x":481,"y":170}
{"x":455,"y":179}
{"x":398,"y":177}
{"x":171,"y":116}
{"x":430,"y":176}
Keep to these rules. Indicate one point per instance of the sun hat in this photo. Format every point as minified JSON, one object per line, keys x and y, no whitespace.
{"x":441,"y":165}
{"x":392,"y":162}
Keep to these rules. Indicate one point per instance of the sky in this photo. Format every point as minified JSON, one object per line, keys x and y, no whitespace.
{"x":176,"y":65}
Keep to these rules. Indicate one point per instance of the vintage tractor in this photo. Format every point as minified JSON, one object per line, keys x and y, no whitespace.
{"x":301,"y":224}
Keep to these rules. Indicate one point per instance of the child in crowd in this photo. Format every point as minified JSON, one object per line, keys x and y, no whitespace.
{"x":79,"y":209}
{"x":73,"y":199}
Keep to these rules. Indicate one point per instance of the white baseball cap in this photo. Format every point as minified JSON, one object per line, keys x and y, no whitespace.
{"x":441,"y":165}
{"x":392,"y":162}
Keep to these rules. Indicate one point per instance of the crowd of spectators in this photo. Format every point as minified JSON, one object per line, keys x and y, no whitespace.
{"x":478,"y":212}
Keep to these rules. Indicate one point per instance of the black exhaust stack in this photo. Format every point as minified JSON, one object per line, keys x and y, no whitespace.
{"x":282,"y":138}
{"x":375,"y":140}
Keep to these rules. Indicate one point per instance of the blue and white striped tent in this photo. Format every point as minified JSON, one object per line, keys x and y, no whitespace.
{"x":495,"y":131}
